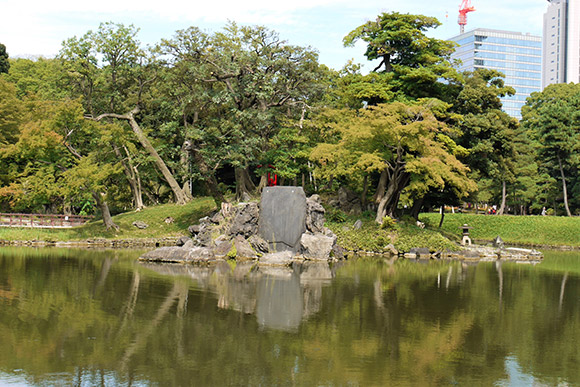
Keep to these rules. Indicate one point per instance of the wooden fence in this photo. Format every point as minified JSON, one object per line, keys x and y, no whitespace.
{"x":42,"y":220}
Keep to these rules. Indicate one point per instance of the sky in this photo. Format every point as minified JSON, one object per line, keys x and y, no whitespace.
{"x":38,"y":28}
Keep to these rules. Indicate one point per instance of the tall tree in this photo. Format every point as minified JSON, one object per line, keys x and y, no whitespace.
{"x":411,"y":64}
{"x":406,"y":142}
{"x":254,"y":76}
{"x":554,"y":116}
{"x":111,"y":59}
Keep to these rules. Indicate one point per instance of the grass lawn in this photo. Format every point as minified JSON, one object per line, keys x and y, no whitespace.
{"x":183,"y":216}
{"x":526,"y":230}
{"x":371,"y":237}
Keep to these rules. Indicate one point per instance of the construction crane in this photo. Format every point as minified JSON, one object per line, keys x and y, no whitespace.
{"x":464,"y":8}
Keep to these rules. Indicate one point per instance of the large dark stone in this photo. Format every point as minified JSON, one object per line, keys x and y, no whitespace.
{"x":283,"y":217}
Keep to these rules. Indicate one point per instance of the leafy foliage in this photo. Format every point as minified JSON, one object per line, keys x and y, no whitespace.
{"x":4,"y":63}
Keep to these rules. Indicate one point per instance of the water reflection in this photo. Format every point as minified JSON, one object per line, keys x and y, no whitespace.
{"x":101,"y":318}
{"x":279,"y":297}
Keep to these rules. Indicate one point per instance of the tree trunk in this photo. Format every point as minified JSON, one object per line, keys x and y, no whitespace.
{"x":416,"y":208}
{"x":380,"y":192}
{"x":263,"y":183}
{"x":132,"y":178}
{"x":442,"y":215}
{"x":503,"y":198}
{"x":382,"y":210}
{"x":388,"y":204}
{"x":564,"y":190}
{"x":329,"y":184}
{"x":244,"y":183}
{"x":209,"y":177}
{"x":107,"y":218}
{"x":180,"y":196}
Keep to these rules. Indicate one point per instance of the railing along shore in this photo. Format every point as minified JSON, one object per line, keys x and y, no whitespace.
{"x":42,"y":220}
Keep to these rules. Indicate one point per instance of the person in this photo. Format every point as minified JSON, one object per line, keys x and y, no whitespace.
{"x":543,"y":211}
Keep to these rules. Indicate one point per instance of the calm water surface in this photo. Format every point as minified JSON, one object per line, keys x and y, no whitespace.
{"x":78,"y":317}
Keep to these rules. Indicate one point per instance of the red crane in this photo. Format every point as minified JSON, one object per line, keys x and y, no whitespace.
{"x":464,"y":8}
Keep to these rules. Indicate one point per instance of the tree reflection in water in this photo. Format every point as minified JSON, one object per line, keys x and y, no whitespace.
{"x":78,"y":317}
{"x":280,"y":297}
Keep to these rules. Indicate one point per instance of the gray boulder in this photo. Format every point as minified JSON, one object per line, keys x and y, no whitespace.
{"x":498,"y":242}
{"x":140,"y":224}
{"x":203,"y":238}
{"x":222,"y":249}
{"x":281,"y":258}
{"x":421,"y":252}
{"x":217,"y":218}
{"x":194,"y":229}
{"x":243,"y":248}
{"x":259,"y":244}
{"x":182,"y":240}
{"x":390,"y":248}
{"x":245,"y":221}
{"x":349,"y":201}
{"x":178,"y":254}
{"x":338,"y":252}
{"x":357,"y":225}
{"x":316,"y":246}
{"x":314,"y":214}
{"x":188,"y":245}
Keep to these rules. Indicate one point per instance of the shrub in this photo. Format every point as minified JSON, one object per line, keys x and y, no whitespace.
{"x":388,"y":223}
{"x":335,"y":215}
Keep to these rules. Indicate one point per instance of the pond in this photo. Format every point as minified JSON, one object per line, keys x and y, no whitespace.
{"x":82,"y":317}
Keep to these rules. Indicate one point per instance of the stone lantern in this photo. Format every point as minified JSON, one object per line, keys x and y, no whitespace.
{"x":466,"y":240}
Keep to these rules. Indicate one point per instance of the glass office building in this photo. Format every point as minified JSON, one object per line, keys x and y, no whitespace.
{"x":518,"y":56}
{"x":561,"y":42}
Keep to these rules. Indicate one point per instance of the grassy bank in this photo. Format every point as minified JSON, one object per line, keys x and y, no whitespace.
{"x":526,"y":230}
{"x":372,"y":238}
{"x":183,"y":217}
{"x":521,"y":230}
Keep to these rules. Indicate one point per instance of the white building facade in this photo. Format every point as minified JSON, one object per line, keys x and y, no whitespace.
{"x":561,"y":48}
{"x":518,"y":56}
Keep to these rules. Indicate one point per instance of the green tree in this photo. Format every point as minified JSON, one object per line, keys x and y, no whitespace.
{"x":10,"y":112}
{"x":4,"y":62}
{"x":485,"y":131}
{"x":113,"y":75}
{"x":43,"y":78}
{"x":553,"y":116}
{"x":411,"y":64}
{"x":405,"y":142}
{"x":256,"y":79}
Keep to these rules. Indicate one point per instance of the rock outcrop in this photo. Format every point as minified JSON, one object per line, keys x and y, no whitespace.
{"x":284,"y":227}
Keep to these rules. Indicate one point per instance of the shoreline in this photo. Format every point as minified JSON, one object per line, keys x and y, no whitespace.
{"x":95,"y":243}
{"x":470,"y":253}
